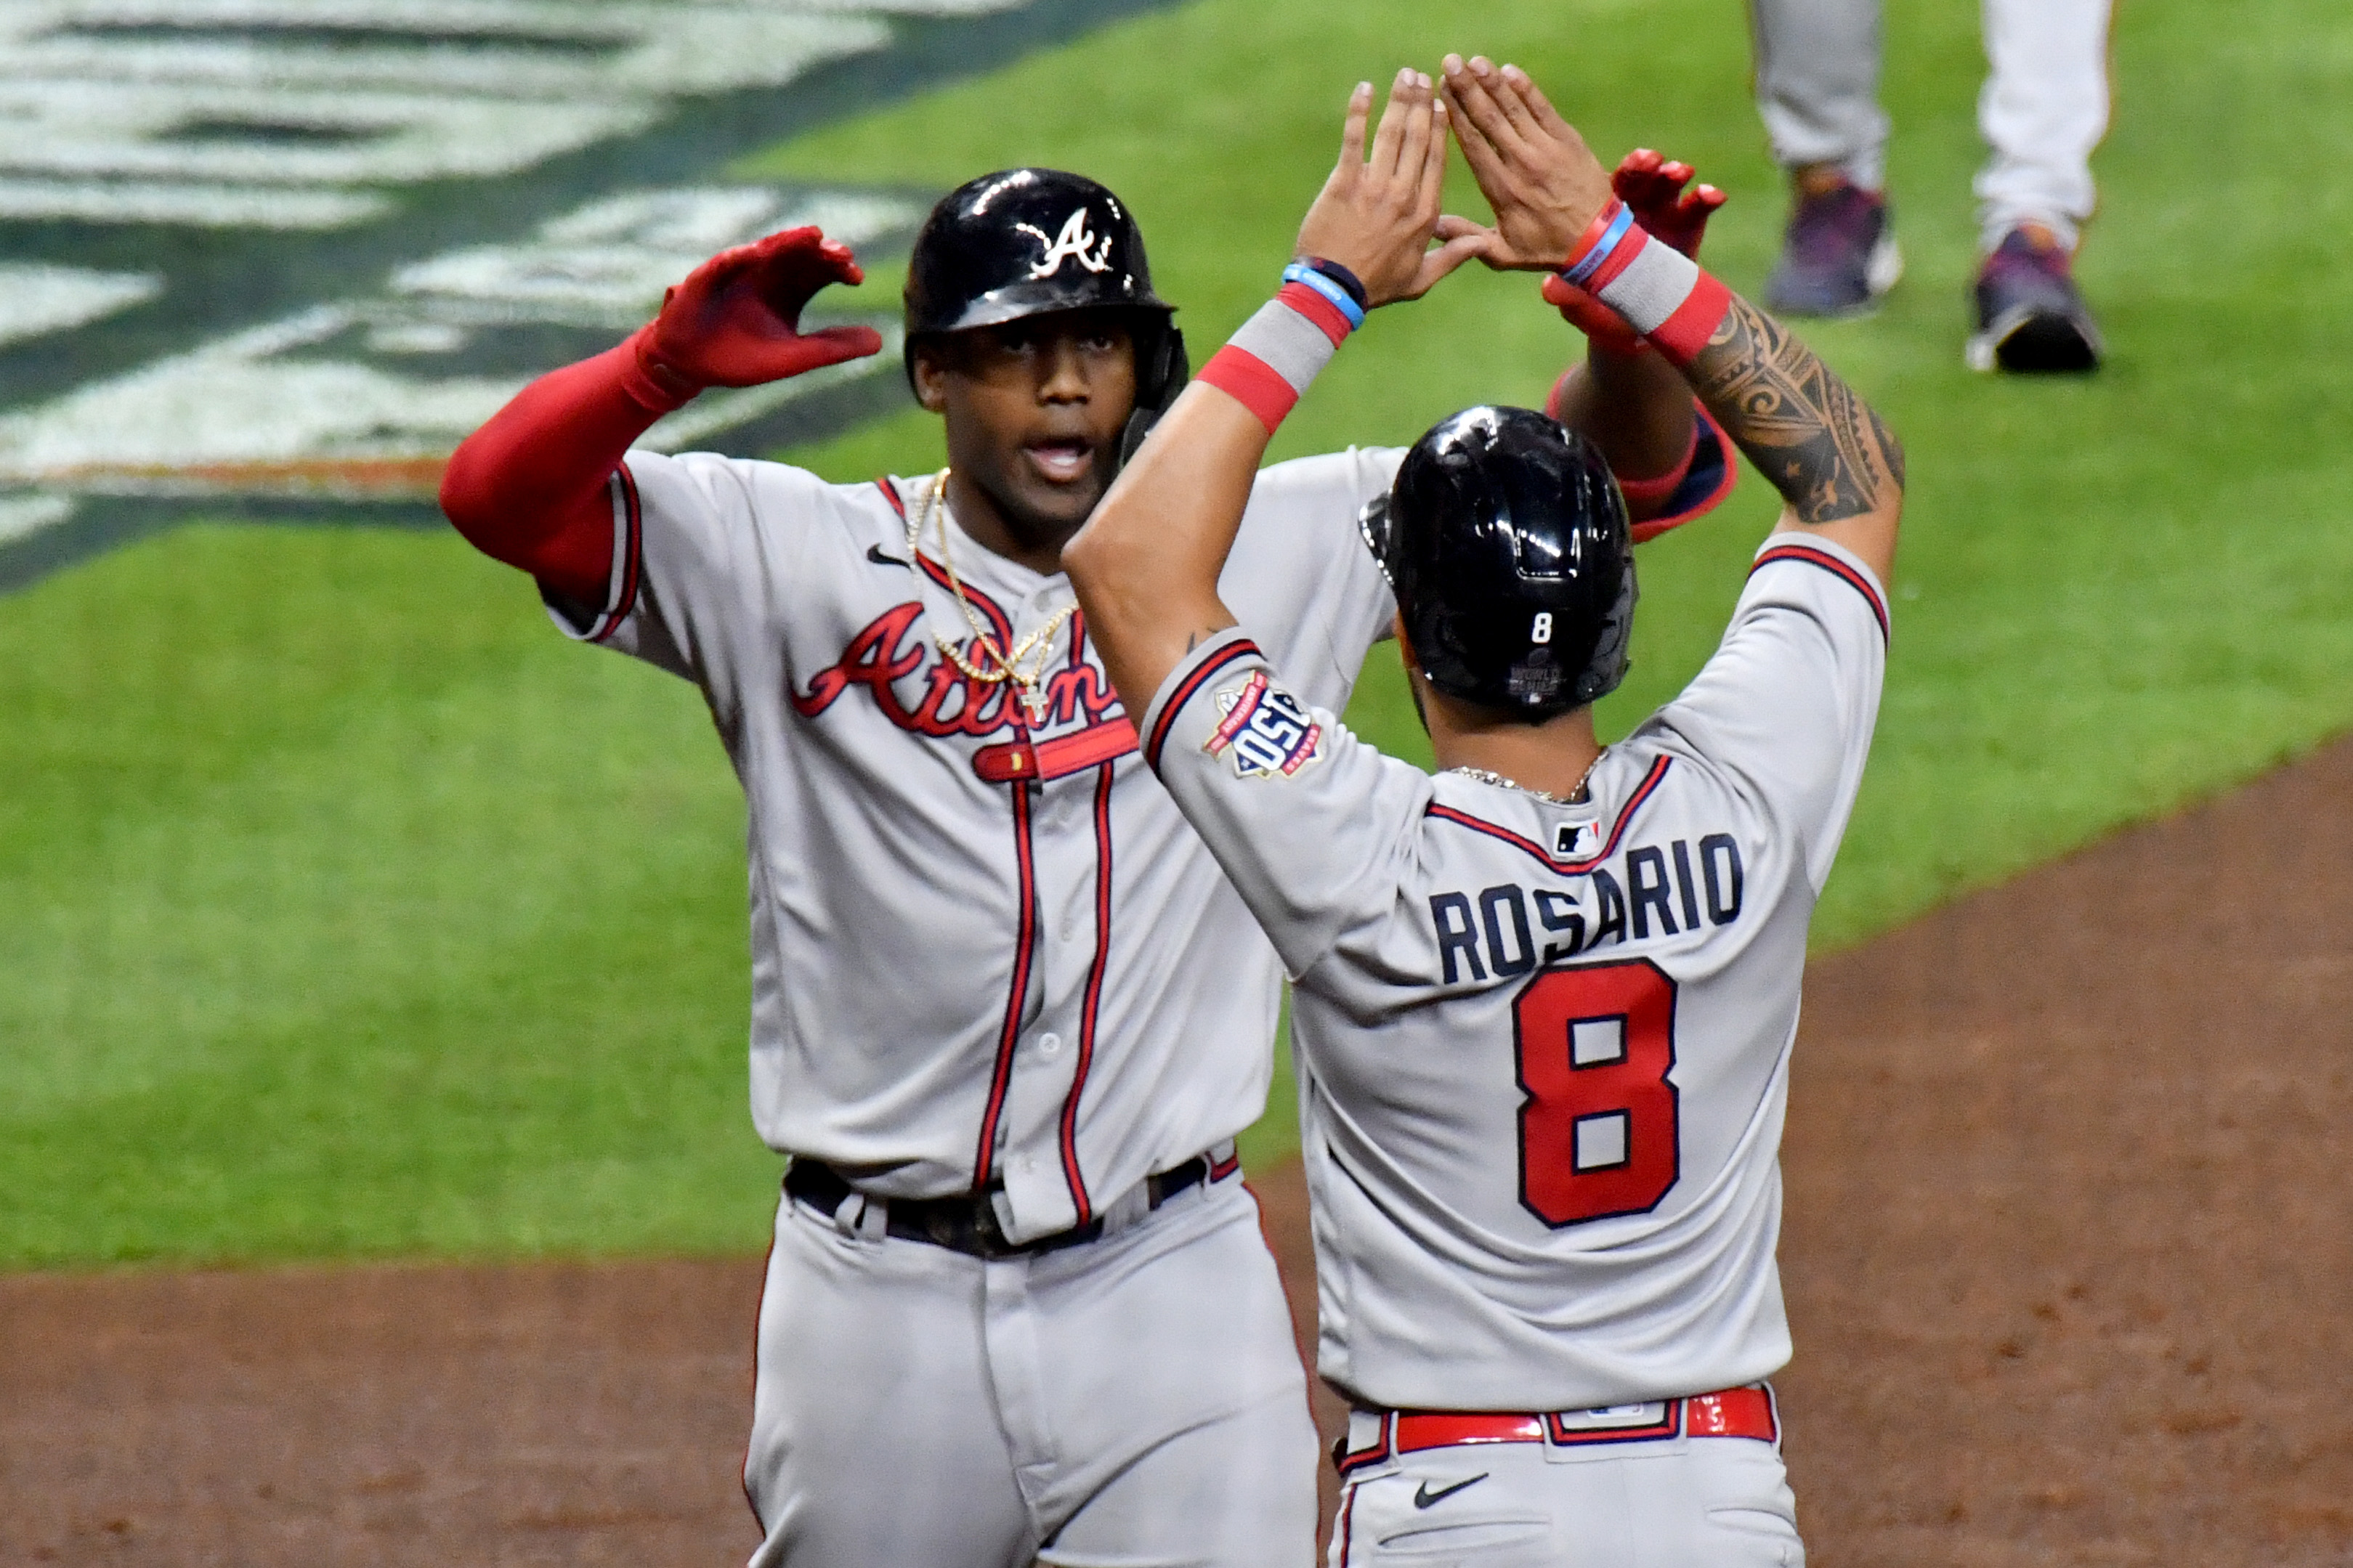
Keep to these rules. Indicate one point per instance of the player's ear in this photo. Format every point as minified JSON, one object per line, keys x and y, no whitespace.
{"x":926,"y":361}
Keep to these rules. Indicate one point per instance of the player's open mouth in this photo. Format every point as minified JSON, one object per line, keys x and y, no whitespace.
{"x":1061,"y":462}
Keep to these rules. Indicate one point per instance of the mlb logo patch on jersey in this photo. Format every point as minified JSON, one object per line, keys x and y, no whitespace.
{"x":1575,"y":841}
{"x":1269,"y":733}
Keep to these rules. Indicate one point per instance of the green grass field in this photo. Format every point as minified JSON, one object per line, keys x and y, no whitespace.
{"x":350,"y":911}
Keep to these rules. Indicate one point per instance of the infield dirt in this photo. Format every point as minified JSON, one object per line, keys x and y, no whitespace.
{"x":2069,"y":1252}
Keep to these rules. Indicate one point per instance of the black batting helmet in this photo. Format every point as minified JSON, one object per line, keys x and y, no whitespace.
{"x":1506,"y":540}
{"x":1024,"y":242}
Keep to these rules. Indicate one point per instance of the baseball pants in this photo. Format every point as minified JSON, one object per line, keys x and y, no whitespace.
{"x":1134,"y":1402}
{"x":2042,"y":110}
{"x":1667,"y":1503}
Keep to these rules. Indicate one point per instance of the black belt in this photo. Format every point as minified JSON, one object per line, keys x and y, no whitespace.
{"x":968,"y":1222}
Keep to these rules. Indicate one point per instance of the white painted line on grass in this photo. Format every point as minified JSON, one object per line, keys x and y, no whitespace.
{"x":37,"y":298}
{"x":24,"y":515}
{"x":189,"y":205}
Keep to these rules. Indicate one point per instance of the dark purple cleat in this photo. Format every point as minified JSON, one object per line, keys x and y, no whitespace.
{"x":1838,"y":255}
{"x":2031,"y":320}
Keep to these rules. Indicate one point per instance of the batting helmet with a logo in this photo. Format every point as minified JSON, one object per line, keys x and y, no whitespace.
{"x":1025,"y":242}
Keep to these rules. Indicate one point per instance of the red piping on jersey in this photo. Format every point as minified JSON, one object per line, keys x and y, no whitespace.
{"x":1562,"y":867}
{"x":1094,"y":996}
{"x":1102,"y":936}
{"x":1835,"y":567}
{"x":1025,"y":948}
{"x":1240,"y":648}
{"x":1001,"y":624}
{"x":1025,"y":951}
{"x":629,"y":540}
{"x":998,"y":620}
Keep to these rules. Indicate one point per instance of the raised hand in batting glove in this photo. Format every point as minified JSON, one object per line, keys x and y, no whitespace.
{"x":735,"y":321}
{"x":1653,"y":189}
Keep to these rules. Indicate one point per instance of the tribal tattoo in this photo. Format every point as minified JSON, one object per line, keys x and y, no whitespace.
{"x":1822,"y":446}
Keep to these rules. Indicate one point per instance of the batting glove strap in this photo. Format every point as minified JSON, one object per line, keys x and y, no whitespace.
{"x":1268,"y":364}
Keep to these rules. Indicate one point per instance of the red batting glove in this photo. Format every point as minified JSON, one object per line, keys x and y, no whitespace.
{"x":1652,"y":188}
{"x":736,"y":321}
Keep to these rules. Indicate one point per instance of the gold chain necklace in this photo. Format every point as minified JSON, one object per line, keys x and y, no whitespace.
{"x":1008,"y":665}
{"x":1488,"y":777}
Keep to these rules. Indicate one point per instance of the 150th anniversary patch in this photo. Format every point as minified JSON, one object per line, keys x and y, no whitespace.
{"x":1264,"y":728}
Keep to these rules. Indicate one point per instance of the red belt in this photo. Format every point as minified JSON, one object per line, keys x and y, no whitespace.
{"x":1729,"y":1412}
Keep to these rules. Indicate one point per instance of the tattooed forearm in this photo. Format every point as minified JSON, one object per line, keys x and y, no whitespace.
{"x":1823,"y":448}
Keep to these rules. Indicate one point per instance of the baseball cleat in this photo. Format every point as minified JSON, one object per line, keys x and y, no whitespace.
{"x":1838,"y":256}
{"x":2031,"y":320}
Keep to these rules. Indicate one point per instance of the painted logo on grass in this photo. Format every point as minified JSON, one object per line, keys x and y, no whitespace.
{"x":285,"y":254}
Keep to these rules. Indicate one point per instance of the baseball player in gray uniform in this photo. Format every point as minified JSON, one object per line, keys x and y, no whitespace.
{"x":1008,"y":1016}
{"x":1546,"y":1000}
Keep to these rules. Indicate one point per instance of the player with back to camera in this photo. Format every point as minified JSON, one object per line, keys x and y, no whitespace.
{"x":1545,"y":1001}
{"x":1008,"y":1016}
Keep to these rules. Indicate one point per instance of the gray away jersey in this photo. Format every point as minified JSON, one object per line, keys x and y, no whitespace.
{"x":1543,"y":1048}
{"x":980,"y":945}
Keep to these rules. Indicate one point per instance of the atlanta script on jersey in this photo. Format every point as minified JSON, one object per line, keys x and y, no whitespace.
{"x":1543,"y":1048}
{"x":983,"y":944}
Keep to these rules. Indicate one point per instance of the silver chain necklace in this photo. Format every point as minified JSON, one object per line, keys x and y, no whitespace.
{"x":1487,"y":776}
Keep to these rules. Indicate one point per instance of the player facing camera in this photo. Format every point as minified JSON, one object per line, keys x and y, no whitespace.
{"x":1032,"y":328}
{"x":1506,"y":542}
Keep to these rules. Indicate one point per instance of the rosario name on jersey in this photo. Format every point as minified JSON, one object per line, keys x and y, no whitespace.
{"x":983,"y":941}
{"x":1543,"y":1048}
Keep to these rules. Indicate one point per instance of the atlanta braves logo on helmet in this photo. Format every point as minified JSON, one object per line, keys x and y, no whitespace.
{"x":1072,"y":245}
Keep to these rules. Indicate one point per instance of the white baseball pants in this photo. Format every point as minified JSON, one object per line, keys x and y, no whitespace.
{"x":2042,"y":110}
{"x":1671,"y":1502}
{"x":1135,"y":1402}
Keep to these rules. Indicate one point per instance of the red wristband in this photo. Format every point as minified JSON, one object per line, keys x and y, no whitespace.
{"x":1251,"y":382}
{"x":1682,"y":336}
{"x":1593,"y":233}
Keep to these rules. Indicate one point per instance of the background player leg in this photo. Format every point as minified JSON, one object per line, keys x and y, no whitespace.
{"x":875,"y":1442}
{"x":2043,"y":109}
{"x":1818,"y":92}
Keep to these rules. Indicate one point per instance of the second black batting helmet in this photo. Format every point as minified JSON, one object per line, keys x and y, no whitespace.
{"x":1024,"y":242}
{"x":1506,"y":540}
